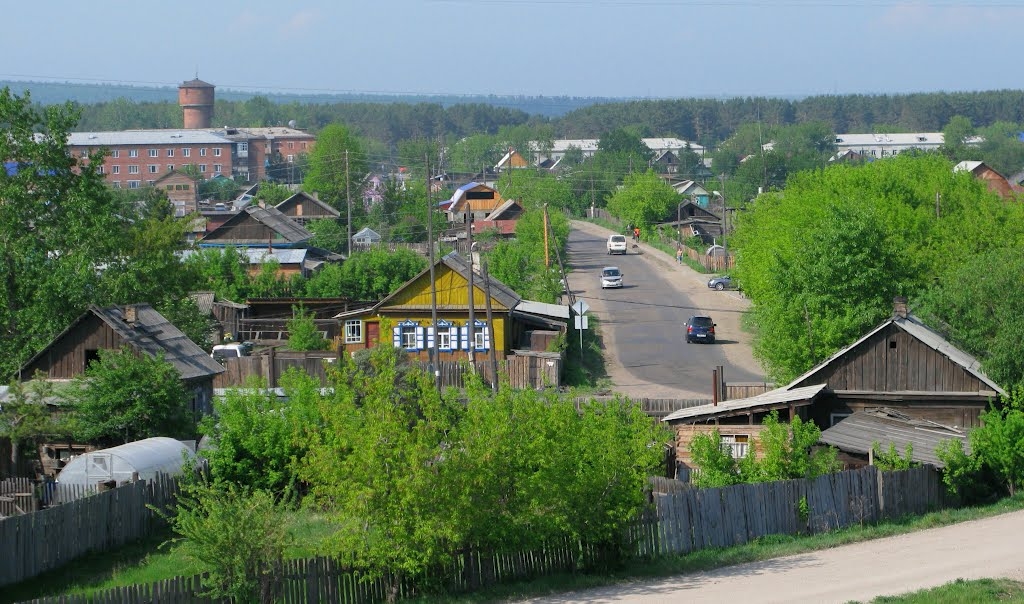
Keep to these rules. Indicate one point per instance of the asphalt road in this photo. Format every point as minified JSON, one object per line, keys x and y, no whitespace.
{"x":643,"y":324}
{"x":986,"y":548}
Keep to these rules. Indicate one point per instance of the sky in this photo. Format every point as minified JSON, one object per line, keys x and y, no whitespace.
{"x":604,"y":48}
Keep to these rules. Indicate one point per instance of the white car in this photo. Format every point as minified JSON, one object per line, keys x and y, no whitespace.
{"x":617,"y":244}
{"x":611,"y":276}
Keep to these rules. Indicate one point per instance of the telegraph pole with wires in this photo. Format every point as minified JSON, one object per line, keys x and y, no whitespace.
{"x":432,"y":353}
{"x":470,"y":326}
{"x":348,"y":204}
{"x":490,"y":328}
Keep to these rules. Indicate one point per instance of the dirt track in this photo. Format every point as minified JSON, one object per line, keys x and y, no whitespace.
{"x":971,"y":550}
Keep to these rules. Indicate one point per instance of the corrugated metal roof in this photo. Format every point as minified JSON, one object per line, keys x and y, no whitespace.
{"x":913,"y":326}
{"x":779,"y":396}
{"x":292,"y":231}
{"x":859,"y":432}
{"x":146,"y":137}
{"x":544,"y":309}
{"x":261,"y":255}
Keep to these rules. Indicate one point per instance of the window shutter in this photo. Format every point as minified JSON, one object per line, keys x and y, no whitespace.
{"x":487,"y":338}
{"x":430,"y":338}
{"x":464,"y":337}
{"x":419,"y":338}
{"x":397,"y":336}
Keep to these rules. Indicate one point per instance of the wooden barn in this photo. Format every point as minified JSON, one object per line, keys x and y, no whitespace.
{"x":140,"y":328}
{"x":255,"y":226}
{"x":473,"y":198}
{"x":304,"y":208}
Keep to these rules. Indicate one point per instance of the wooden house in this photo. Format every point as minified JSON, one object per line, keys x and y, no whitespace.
{"x":512,"y":160}
{"x":255,"y":226}
{"x":666,"y":162}
{"x":691,"y":219}
{"x":857,"y":436}
{"x":304,"y":208}
{"x":693,"y":191}
{"x":407,"y":313}
{"x":366,"y":237}
{"x":182,"y":191}
{"x":140,"y":328}
{"x":901,"y":365}
{"x":996,"y":182}
{"x":473,"y":198}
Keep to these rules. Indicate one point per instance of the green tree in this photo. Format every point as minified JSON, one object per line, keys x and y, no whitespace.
{"x":955,"y":136}
{"x":272,"y":193}
{"x":239,"y":535}
{"x":645,"y":199}
{"x":303,"y":333}
{"x":890,"y":459}
{"x":257,"y":439}
{"x":999,"y":442}
{"x":222,"y":270}
{"x":373,"y":274}
{"x":717,"y":466}
{"x":123,"y":397}
{"x":329,"y":234}
{"x":59,"y":225}
{"x":25,"y":416}
{"x":338,"y":147}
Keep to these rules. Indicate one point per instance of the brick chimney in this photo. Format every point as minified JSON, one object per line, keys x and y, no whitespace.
{"x":131,"y":315}
{"x":899,"y":307}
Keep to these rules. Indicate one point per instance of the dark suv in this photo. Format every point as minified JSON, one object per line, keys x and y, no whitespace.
{"x":700,"y":329}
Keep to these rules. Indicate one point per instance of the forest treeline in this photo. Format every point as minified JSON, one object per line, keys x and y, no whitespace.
{"x":706,"y":121}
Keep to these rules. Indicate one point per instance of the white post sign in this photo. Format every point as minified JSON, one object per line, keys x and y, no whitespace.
{"x":581,"y":308}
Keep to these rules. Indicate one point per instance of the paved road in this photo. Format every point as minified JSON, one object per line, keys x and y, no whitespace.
{"x":643,"y":323}
{"x":971,"y":550}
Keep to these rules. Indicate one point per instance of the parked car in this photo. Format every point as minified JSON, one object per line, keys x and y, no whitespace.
{"x":720,"y":283}
{"x":611,"y":276}
{"x":617,"y":244}
{"x":700,"y":329}
{"x":232,"y":350}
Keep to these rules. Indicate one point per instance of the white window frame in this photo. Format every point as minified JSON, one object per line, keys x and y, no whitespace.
{"x":134,"y":184}
{"x":481,"y":336}
{"x":202,"y":168}
{"x":154,"y":152}
{"x":170,"y":153}
{"x":736,"y":448}
{"x":408,"y":336}
{"x":243,"y":147}
{"x":116,"y":184}
{"x":115,"y":169}
{"x":186,"y":152}
{"x":354,"y":331}
{"x":153,"y":169}
{"x":202,"y":152}
{"x":116,"y":153}
{"x":133,"y":153}
{"x":170,"y":167}
{"x":216,"y":151}
{"x":217,"y":168}
{"x":133,"y":169}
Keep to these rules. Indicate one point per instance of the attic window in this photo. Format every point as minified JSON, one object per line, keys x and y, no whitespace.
{"x":892,"y":344}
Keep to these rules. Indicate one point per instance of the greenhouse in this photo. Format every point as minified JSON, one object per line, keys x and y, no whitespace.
{"x":107,"y":468}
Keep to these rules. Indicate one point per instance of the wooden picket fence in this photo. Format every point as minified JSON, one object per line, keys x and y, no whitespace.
{"x":689,"y":520}
{"x":654,"y":407}
{"x":48,"y":539}
{"x":17,"y":496}
{"x":683,"y":520}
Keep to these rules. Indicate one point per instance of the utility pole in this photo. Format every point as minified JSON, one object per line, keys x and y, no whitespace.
{"x":547,"y":258}
{"x":348,"y":204}
{"x":490,"y":326}
{"x":432,"y":353}
{"x":725,"y":211}
{"x":561,"y":269}
{"x":471,"y":344}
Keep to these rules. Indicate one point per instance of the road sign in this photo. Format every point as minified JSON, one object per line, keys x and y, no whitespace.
{"x":581,"y":307}
{"x":582,"y":322}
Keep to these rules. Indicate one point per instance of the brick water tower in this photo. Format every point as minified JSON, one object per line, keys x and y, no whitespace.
{"x":196,"y":100}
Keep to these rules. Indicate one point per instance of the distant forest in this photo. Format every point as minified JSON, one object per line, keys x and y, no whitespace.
{"x":389,"y":119}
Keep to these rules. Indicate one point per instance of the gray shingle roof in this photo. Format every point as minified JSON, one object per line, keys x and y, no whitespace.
{"x":146,"y":137}
{"x":766,"y":400}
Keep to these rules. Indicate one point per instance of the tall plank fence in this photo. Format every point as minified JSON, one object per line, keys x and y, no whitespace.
{"x":683,"y":520}
{"x":48,"y":539}
{"x":17,"y":496}
{"x":654,"y":407}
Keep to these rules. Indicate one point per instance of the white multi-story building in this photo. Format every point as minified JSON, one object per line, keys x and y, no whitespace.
{"x":887,"y":145}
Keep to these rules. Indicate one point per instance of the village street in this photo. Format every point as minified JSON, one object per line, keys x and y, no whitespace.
{"x":643,"y":324}
{"x":987,"y":548}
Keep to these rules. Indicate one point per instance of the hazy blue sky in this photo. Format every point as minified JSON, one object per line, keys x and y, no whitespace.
{"x":619,"y":48}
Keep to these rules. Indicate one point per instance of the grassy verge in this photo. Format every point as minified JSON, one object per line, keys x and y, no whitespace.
{"x":670,"y":249}
{"x":960,"y":591}
{"x":585,"y":370}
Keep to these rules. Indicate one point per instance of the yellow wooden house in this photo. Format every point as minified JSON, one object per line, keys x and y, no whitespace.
{"x":407,"y":314}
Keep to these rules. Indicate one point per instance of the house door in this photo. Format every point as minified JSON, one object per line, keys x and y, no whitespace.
{"x":372,"y":334}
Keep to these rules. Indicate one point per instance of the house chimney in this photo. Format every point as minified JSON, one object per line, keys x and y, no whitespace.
{"x":899,"y":307}
{"x":714,"y":387}
{"x":131,"y":315}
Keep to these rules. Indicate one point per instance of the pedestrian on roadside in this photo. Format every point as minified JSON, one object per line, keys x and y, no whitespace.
{"x":679,"y":254}
{"x":636,"y":234}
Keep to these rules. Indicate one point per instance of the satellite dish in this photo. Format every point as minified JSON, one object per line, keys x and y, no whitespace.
{"x":291,"y":123}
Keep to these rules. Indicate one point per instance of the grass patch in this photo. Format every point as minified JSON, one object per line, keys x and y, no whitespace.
{"x":960,"y":591}
{"x":585,"y":369}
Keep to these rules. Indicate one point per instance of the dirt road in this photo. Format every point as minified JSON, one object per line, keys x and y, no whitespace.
{"x":971,"y":550}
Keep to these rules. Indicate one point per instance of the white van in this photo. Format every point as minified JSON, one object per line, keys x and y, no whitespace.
{"x":617,"y":244}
